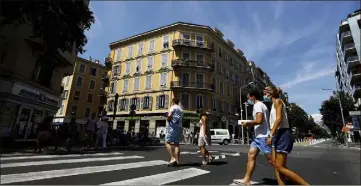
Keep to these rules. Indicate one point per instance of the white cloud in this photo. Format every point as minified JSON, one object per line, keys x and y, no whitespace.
{"x":279,"y":8}
{"x":96,"y":29}
{"x":317,"y":117}
{"x":308,"y":73}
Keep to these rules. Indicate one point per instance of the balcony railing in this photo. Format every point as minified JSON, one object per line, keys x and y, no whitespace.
{"x":352,"y":58}
{"x":349,"y":46}
{"x":190,"y":43}
{"x":191,"y":63}
{"x":345,"y":34}
{"x":195,"y":85}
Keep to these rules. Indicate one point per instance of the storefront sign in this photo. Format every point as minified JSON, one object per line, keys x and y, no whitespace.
{"x":189,"y":116}
{"x":128,"y":118}
{"x":34,"y":94}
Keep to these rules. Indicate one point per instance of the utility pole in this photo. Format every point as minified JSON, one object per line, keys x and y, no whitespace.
{"x":240,"y":103}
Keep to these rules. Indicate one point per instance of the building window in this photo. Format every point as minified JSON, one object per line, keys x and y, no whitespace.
{"x":79,"y":81}
{"x":150,"y":62}
{"x":87,"y":112}
{"x":226,"y":56}
{"x":116,"y":70}
{"x":219,"y":52}
{"x":148,"y":82}
{"x":130,"y":51}
{"x":214,"y":84}
{"x":164,"y":60}
{"x":221,"y":87}
{"x":125,"y":85}
{"x":200,"y":58}
{"x":163,"y":80}
{"x":186,"y":36}
{"x":111,"y":106}
{"x":199,"y":101}
{"x":81,"y":68}
{"x":90,"y":97}
{"x":138,"y":67}
{"x":228,"y":91}
{"x":112,"y":87}
{"x":151,"y":45}
{"x":186,"y":55}
{"x":77,"y":95}
{"x":61,"y":110}
{"x":92,"y":84}
{"x":214,"y":104}
{"x":199,"y":38}
{"x":127,"y":68}
{"x":74,"y":110}
{"x":221,"y":106}
{"x":185,"y":100}
{"x":118,"y":54}
{"x":165,"y":42}
{"x":147,"y":102}
{"x":135,"y":101}
{"x":65,"y":94}
{"x":140,"y":48}
{"x":122,"y":104}
{"x":93,"y":71}
{"x":162,"y":101}
{"x":136,"y":83}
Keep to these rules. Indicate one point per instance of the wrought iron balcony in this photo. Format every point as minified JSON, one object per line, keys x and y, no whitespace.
{"x":192,"y":64}
{"x":355,"y":76}
{"x":352,"y":62}
{"x":192,"y":85}
{"x":105,"y":77}
{"x":191,"y":43}
{"x":349,"y":46}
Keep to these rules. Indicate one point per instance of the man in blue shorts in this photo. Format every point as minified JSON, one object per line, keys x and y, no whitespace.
{"x":262,"y":130}
{"x":175,"y":132}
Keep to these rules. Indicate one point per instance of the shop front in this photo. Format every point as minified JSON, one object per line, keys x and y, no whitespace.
{"x":23,"y":109}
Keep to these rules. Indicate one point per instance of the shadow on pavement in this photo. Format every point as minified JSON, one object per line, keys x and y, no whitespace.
{"x":190,"y":165}
{"x":218,"y":163}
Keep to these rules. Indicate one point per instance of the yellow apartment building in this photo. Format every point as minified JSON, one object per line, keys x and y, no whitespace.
{"x":191,"y":62}
{"x":82,"y":92}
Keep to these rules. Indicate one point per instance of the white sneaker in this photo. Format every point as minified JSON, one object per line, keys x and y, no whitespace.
{"x":204,"y":162}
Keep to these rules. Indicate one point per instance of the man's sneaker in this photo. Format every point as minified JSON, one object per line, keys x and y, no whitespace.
{"x":210,"y":159}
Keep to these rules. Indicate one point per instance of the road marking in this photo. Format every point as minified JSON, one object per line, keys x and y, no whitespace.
{"x":189,"y":152}
{"x":58,"y":156}
{"x":252,"y":183}
{"x":163,"y":178}
{"x":208,"y":151}
{"x":51,"y":162}
{"x":31,"y":176}
{"x":231,"y":154}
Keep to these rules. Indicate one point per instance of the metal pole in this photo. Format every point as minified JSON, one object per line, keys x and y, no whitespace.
{"x":246,"y":119}
{"x":241,"y":114}
{"x":343,"y":119}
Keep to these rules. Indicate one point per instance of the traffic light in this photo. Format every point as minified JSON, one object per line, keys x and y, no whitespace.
{"x":132,"y":110}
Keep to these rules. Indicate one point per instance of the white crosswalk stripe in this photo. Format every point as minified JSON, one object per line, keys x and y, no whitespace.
{"x":21,"y":169}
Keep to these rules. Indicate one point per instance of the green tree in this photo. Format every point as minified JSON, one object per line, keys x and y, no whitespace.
{"x":59,"y":24}
{"x":330,"y":110}
{"x":298,"y":118}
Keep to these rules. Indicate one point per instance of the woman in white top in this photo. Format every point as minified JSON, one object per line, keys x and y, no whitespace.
{"x":204,"y":138}
{"x":280,"y":137}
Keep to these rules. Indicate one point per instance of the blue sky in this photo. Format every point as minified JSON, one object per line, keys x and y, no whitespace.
{"x":293,"y":42}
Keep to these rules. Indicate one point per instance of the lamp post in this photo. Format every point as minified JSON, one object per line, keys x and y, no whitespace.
{"x":240,"y":103}
{"x":341,"y":110}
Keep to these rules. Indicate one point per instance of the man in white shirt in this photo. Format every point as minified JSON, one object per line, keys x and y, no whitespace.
{"x":175,"y":132}
{"x":262,"y":130}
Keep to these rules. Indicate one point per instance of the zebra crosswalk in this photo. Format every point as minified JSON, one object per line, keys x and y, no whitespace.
{"x":99,"y":168}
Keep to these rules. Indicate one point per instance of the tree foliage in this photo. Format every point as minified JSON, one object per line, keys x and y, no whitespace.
{"x":330,"y":110}
{"x":298,"y":118}
{"x":59,"y":24}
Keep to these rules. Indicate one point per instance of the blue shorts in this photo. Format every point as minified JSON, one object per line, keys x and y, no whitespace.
{"x":283,"y":141}
{"x":174,"y":135}
{"x":260,"y":143}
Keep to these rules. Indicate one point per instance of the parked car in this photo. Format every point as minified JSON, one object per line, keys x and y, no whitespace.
{"x":220,"y":136}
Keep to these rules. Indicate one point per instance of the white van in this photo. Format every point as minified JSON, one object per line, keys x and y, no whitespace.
{"x":220,"y":136}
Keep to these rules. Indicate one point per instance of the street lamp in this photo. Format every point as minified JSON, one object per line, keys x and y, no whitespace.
{"x":240,"y":103}
{"x":341,"y":110}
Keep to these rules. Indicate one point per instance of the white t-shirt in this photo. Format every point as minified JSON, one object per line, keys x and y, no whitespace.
{"x":177,"y":113}
{"x":263,"y":129}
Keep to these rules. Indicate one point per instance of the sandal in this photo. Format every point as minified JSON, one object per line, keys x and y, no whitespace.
{"x":210,"y":159}
{"x":173,"y":164}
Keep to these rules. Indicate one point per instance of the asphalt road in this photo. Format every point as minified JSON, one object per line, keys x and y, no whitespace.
{"x":325,"y":164}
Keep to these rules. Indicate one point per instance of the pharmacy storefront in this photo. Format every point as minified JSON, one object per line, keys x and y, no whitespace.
{"x":22,"y":109}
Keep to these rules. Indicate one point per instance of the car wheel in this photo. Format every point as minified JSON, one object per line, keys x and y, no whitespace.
{"x":225,"y":142}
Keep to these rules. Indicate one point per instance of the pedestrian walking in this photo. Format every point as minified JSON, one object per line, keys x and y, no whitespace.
{"x":262,"y":129}
{"x":175,"y":131}
{"x":280,"y":137}
{"x":103,"y":130}
{"x":43,"y":133}
{"x":204,"y":138}
{"x":90,"y":129}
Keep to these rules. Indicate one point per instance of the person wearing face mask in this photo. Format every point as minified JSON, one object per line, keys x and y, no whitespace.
{"x":280,"y":137}
{"x":261,"y":128}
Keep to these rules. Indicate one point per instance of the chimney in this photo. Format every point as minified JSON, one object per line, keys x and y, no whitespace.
{"x":90,"y":58}
{"x":97,"y":61}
